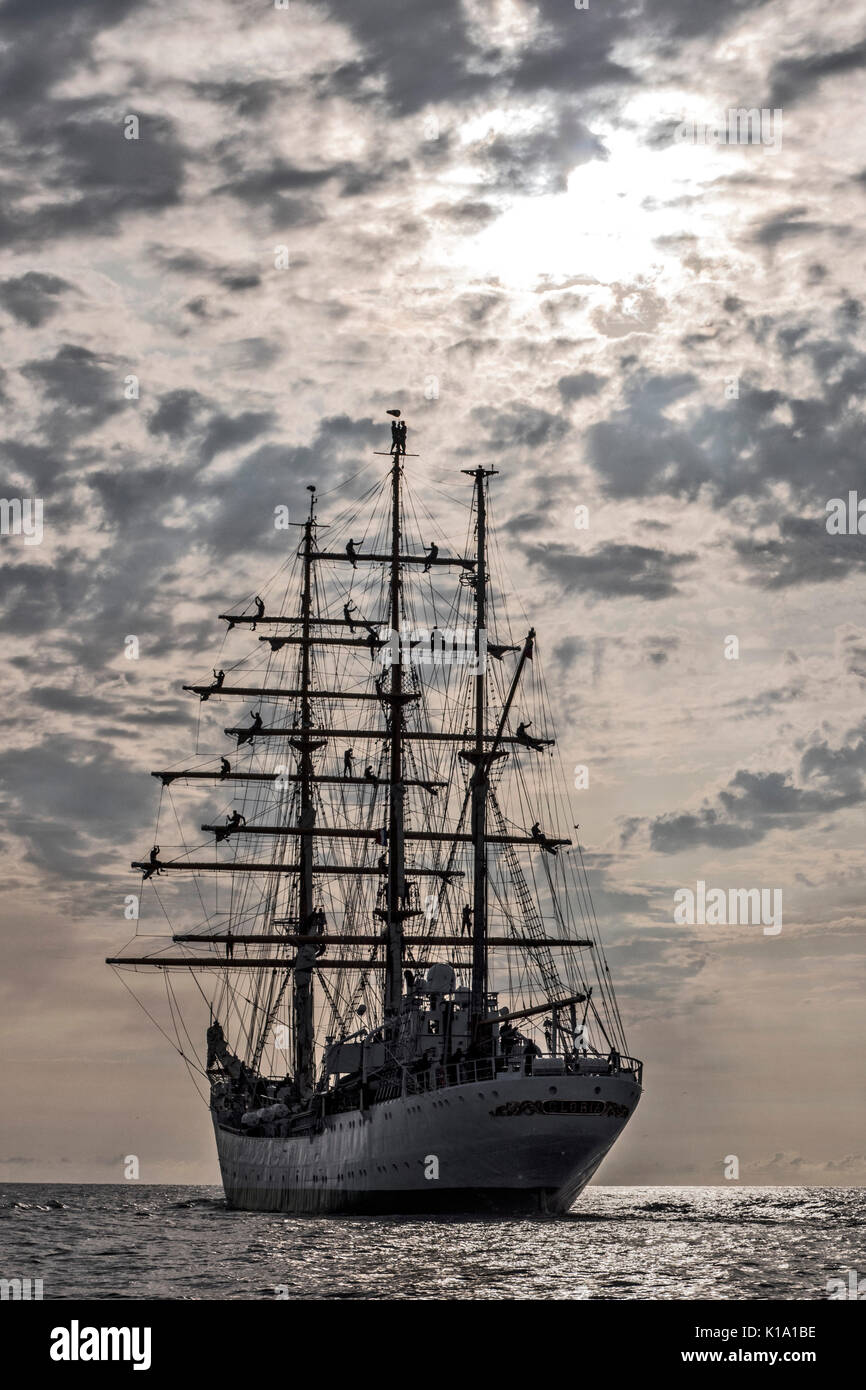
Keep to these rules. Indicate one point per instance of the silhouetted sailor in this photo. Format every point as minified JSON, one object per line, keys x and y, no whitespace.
{"x":466,"y":921}
{"x":348,"y":763}
{"x":230,"y":945}
{"x":351,"y":552}
{"x":247,"y":735}
{"x":529,"y":740}
{"x":235,"y":820}
{"x":219,"y":677}
{"x":369,"y":774}
{"x":395,"y":437}
{"x":540,"y":838}
{"x":153,"y":867}
{"x":431,"y":555}
{"x":260,"y":612}
{"x":225,"y":768}
{"x":383,"y":864}
{"x":401,"y":437}
{"x":315,"y":926}
{"x":348,"y":610}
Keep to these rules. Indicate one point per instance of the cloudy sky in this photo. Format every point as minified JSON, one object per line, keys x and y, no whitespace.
{"x":490,"y":218}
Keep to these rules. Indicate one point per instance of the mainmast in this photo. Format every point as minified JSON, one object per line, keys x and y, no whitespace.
{"x":396,"y":877}
{"x":481,"y":760}
{"x":302,"y":975}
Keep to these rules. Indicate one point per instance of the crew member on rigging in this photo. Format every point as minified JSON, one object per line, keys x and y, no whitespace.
{"x":351,"y":552}
{"x":529,"y":740}
{"x":348,"y":609}
{"x":348,"y":763}
{"x":225,"y":768}
{"x":247,"y":735}
{"x":219,"y":677}
{"x":466,"y":921}
{"x":315,"y":927}
{"x":153,"y":867}
{"x":431,"y":556}
{"x":540,"y":838}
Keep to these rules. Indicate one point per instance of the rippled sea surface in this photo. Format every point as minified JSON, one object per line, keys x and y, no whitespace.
{"x":129,"y":1242}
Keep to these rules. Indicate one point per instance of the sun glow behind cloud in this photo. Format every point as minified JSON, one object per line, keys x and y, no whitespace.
{"x":607,"y":225}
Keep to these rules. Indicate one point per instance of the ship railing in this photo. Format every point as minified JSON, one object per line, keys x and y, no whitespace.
{"x":604,"y":1064}
{"x":435,"y":1077}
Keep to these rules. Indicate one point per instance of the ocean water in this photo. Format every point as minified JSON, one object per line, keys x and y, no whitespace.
{"x":134,"y":1242}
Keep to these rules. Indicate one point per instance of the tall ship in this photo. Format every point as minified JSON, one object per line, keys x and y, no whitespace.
{"x":386,"y":914}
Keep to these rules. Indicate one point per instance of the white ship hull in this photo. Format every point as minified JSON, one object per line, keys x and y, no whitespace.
{"x":516,"y":1143}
